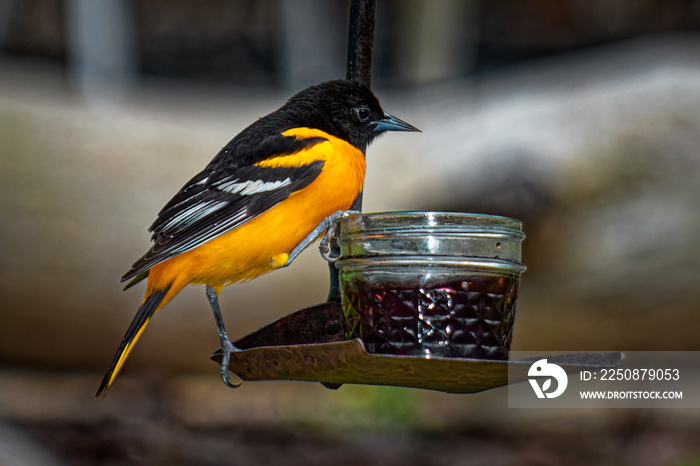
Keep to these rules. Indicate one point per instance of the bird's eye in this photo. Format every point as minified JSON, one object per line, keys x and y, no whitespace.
{"x":362,"y":113}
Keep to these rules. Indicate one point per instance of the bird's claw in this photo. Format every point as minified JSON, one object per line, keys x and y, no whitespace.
{"x":325,"y":247}
{"x":226,"y":349}
{"x":225,"y":376}
{"x":328,"y":247}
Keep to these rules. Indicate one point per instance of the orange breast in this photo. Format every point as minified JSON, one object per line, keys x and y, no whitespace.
{"x":244,"y":252}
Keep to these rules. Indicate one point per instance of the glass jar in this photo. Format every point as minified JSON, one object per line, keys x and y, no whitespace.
{"x":430,"y":283}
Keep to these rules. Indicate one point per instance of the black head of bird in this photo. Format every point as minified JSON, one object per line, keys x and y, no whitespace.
{"x":344,"y":109}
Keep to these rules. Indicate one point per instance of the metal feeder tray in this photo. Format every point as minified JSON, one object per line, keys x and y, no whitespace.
{"x":310,"y":345}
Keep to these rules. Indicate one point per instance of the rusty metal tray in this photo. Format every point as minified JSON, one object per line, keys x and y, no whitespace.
{"x":309,"y":345}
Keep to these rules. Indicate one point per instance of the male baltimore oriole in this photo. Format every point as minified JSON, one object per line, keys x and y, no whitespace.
{"x":270,"y":192}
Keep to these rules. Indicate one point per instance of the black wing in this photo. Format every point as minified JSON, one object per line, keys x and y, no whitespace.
{"x":221,"y":198}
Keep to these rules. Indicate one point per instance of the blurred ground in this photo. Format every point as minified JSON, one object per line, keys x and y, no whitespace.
{"x":195,"y":420}
{"x":596,"y":151}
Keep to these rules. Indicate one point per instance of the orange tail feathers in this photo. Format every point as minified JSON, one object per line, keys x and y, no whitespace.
{"x":151,"y":304}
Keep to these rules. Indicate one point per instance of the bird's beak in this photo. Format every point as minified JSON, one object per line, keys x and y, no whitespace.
{"x":391,"y":123}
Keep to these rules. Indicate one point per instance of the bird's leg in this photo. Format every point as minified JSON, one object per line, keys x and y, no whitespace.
{"x":226,"y":346}
{"x":325,"y":224}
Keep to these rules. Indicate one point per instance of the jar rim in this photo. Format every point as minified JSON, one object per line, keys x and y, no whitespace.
{"x":427,"y":220}
{"x":495,"y":265}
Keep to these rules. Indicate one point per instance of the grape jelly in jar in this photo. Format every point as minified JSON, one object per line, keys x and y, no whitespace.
{"x":431,"y":284}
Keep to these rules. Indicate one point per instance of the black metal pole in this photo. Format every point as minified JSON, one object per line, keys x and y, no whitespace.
{"x":360,"y":41}
{"x":359,"y":69}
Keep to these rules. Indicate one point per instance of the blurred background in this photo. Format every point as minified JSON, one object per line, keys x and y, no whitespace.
{"x":581,"y":118}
